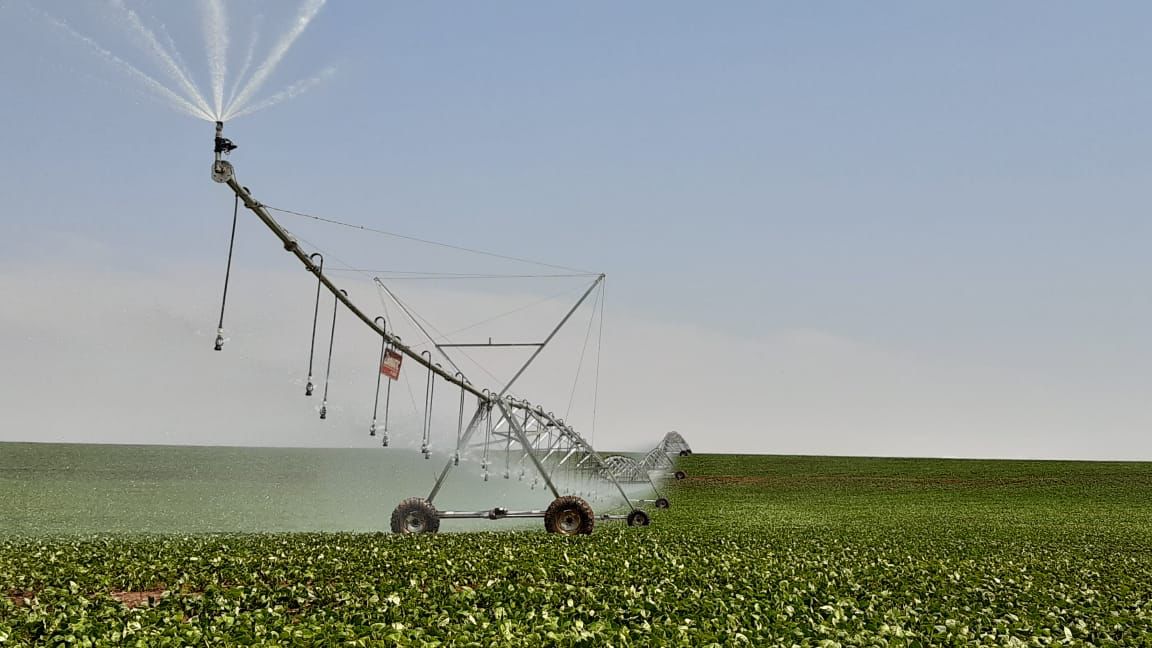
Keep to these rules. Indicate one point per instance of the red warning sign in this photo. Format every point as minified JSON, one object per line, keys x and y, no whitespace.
{"x":390,"y":366}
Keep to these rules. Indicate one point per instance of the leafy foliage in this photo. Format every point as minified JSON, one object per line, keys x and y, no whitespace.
{"x":755,"y":551}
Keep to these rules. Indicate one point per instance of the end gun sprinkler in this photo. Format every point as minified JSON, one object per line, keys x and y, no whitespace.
{"x":222,"y":170}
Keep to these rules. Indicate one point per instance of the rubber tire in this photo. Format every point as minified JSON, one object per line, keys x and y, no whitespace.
{"x":638,"y":518}
{"x":679,"y":475}
{"x":663,"y":503}
{"x":415,"y":506}
{"x":569,"y":515}
{"x":685,"y":453}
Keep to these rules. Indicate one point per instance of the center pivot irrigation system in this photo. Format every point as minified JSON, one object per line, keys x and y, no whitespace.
{"x":529,"y":433}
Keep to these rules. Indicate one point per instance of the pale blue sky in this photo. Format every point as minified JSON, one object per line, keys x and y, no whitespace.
{"x":961,"y":188}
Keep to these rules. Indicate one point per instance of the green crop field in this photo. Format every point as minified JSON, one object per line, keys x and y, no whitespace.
{"x":756,"y":550}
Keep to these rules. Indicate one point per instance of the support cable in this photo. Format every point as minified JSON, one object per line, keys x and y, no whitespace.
{"x":227,"y":274}
{"x":580,"y":363}
{"x":596,"y":380}
{"x":460,"y":248}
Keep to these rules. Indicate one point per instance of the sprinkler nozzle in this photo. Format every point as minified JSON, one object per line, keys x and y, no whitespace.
{"x":384,"y":442}
{"x":372,"y":428}
{"x":220,"y":339}
{"x":224,"y":146}
{"x":324,"y":410}
{"x":456,"y":459}
{"x":309,"y":387}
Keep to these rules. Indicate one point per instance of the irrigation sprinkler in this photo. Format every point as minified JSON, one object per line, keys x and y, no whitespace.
{"x":379,"y":375}
{"x":309,"y":386}
{"x":546,"y":444}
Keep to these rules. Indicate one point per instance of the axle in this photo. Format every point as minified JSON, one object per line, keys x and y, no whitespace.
{"x":500,"y":513}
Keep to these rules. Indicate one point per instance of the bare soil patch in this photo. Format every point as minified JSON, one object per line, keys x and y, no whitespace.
{"x":21,"y":598}
{"x":136,"y":599}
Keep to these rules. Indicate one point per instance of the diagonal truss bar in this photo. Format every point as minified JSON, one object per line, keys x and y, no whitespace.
{"x":551,"y":335}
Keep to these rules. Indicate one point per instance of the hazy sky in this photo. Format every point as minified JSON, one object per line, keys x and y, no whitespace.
{"x":890,"y":228}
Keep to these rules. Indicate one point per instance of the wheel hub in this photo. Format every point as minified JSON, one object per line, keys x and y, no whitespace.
{"x":569,"y":521}
{"x":414,"y":522}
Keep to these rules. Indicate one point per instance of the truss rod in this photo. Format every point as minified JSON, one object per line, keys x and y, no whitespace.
{"x":490,"y":344}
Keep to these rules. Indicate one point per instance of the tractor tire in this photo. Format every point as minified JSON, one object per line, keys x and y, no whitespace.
{"x":663,"y":503}
{"x":638,"y":518}
{"x":679,"y":475}
{"x":415,"y":515}
{"x":569,"y":515}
